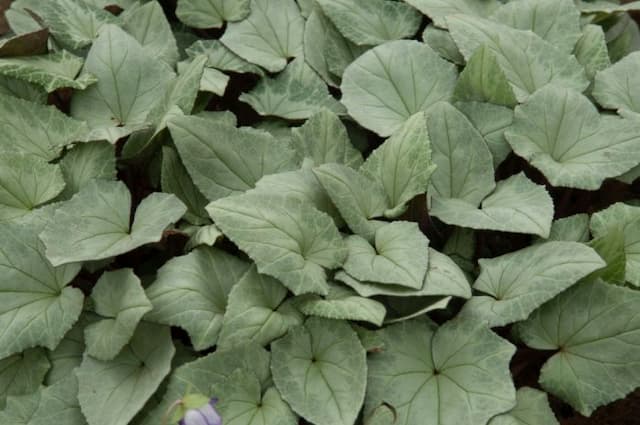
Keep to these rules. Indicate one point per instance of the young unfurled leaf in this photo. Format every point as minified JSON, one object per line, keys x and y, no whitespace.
{"x":378,"y":94}
{"x":596,"y":350}
{"x":459,"y":370}
{"x":514,"y":285}
{"x":225,"y":160}
{"x":296,"y":93}
{"x":95,"y":223}
{"x":320,"y":370}
{"x":560,"y":132}
{"x":257,"y":311}
{"x":191,"y":292}
{"x":402,"y":164}
{"x":288,"y":239}
{"x":272,"y":33}
{"x":112,"y":392}
{"x":119,"y":298}
{"x":516,"y":205}
{"x":372,"y":22}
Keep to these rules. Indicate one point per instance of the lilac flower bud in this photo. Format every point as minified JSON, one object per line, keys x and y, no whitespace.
{"x":205,"y":415}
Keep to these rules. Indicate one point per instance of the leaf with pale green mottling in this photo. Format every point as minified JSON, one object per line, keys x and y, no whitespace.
{"x":516,"y":205}
{"x":512,"y":286}
{"x":23,"y":373}
{"x":398,"y":256}
{"x":443,"y":278}
{"x":224,"y":160}
{"x":42,"y":131}
{"x":272,"y":33}
{"x":320,"y":370}
{"x":288,"y":239}
{"x":95,"y":223}
{"x":112,"y":392}
{"x":324,"y":139}
{"x":211,"y":13}
{"x":464,"y":165}
{"x":532,"y":408}
{"x":42,"y":307}
{"x":120,"y":300}
{"x":191,"y":292}
{"x":457,"y":373}
{"x":561,"y":133}
{"x":626,"y":219}
{"x":257,"y":311}
{"x":596,"y":351}
{"x":372,"y":22}
{"x":317,"y":31}
{"x":296,"y":93}
{"x":51,"y":71}
{"x":402,"y":164}
{"x":26,"y":182}
{"x":378,"y":94}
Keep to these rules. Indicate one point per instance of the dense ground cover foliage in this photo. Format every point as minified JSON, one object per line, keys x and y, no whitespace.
{"x":327,"y":212}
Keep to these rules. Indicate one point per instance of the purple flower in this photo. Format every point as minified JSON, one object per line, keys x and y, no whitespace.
{"x":205,"y":415}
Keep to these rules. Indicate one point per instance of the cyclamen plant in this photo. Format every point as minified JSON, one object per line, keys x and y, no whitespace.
{"x":327,"y":212}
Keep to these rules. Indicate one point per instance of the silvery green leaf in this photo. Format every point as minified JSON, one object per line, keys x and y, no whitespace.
{"x":41,"y":308}
{"x":343,"y":304}
{"x":574,"y":228}
{"x":402,"y":164}
{"x":95,"y":223}
{"x":596,"y":350}
{"x":243,"y":401}
{"x":483,"y":80}
{"x":224,"y":160}
{"x":623,"y":37}
{"x":437,"y":10}
{"x":211,"y":13}
{"x":383,"y":415}
{"x":272,"y":33}
{"x":324,"y":139}
{"x":532,"y":408}
{"x":112,"y":392}
{"x":175,"y":179}
{"x":358,"y":198}
{"x":491,"y":121}
{"x":51,"y":71}
{"x":58,"y":403}
{"x":560,"y":132}
{"x":85,"y":162}
{"x":214,"y":81}
{"x":611,"y":248}
{"x":458,"y":146}
{"x":26,"y":182}
{"x":512,"y":286}
{"x":317,"y":31}
{"x":207,"y":374}
{"x":288,"y":239}
{"x":20,"y":409}
{"x":130,"y":80}
{"x":378,"y":94}
{"x":443,"y":277}
{"x":320,"y":370}
{"x":339,"y":51}
{"x":68,"y":354}
{"x":617,"y":86}
{"x":191,"y":292}
{"x":607,"y":7}
{"x":591,"y":50}
{"x":528,"y":61}
{"x":149,"y":26}
{"x":203,"y":235}
{"x":441,"y":41}
{"x":556,"y":21}
{"x":516,"y":205}
{"x":372,"y":22}
{"x":625,"y":218}
{"x":398,"y":256}
{"x":22,"y":90}
{"x":34,"y":129}
{"x":455,"y":374}
{"x":74,"y":23}
{"x":118,"y":297}
{"x":220,"y":57}
{"x":257,"y":311}
{"x":23,"y":373}
{"x":461,"y":249}
{"x":296,"y":93}
{"x":401,"y":309}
